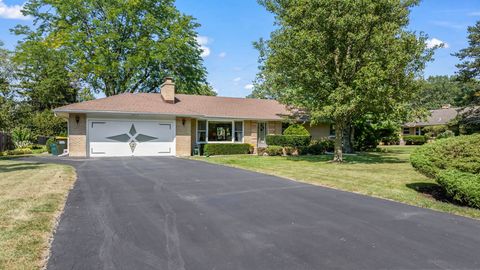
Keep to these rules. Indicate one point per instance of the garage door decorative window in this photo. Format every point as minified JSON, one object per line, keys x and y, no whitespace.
{"x":132,"y":137}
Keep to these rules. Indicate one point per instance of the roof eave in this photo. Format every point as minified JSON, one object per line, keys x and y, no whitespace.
{"x":279,"y":118}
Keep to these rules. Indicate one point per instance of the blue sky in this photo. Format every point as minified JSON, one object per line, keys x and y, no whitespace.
{"x":230,"y":26}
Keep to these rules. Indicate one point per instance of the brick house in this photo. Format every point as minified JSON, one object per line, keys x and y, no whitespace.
{"x":169,"y":124}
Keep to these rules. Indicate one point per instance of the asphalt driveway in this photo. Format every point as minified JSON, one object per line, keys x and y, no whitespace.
{"x":169,"y":213}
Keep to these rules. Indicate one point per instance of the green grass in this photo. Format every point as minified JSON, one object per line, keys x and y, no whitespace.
{"x":387,"y":174}
{"x":32,"y":195}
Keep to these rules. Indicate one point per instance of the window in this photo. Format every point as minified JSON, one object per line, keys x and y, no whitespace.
{"x":202,"y":131}
{"x":219,"y":131}
{"x":406,"y":131}
{"x":238,"y":131}
{"x":418,"y":131}
{"x":332,"y":130}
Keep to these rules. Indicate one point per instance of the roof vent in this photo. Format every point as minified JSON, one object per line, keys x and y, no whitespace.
{"x":167,"y":90}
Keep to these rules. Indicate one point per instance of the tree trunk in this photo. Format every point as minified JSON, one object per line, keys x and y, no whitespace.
{"x":348,"y":139}
{"x":338,"y":153}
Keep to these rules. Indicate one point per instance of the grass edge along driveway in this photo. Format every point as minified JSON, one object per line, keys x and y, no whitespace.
{"x":387,"y":174}
{"x":32,"y":196}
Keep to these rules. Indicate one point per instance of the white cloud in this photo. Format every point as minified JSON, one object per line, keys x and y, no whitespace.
{"x":12,"y":12}
{"x":475,"y":13}
{"x":202,"y":41}
{"x":237,"y":79}
{"x":249,"y":86}
{"x":433,"y":42}
{"x":222,"y":54}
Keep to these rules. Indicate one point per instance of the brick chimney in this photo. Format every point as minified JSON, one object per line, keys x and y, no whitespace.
{"x":167,"y":90}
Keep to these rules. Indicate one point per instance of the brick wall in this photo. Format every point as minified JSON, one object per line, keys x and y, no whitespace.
{"x":274,"y":127}
{"x":250,"y":134}
{"x":183,"y":136}
{"x":194,"y":132}
{"x":77,"y":137}
{"x":320,"y":131}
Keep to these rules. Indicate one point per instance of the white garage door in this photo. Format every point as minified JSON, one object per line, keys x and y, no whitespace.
{"x":114,"y":138}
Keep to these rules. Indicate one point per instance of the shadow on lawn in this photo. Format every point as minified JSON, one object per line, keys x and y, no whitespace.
{"x":432,"y":190}
{"x":20,"y":166}
{"x":361,"y":158}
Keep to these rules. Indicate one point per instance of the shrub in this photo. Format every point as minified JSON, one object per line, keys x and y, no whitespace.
{"x":393,"y":139}
{"x":318,"y":147}
{"x":446,"y":134}
{"x":434,"y":131}
{"x":226,"y":149}
{"x":461,"y":187}
{"x":261,"y":151}
{"x":274,"y":150}
{"x":36,"y":146}
{"x":455,"y":164}
{"x":329,"y":145}
{"x":315,"y":148}
{"x":45,"y":123}
{"x":50,"y":141}
{"x":19,"y":151}
{"x":21,"y":137}
{"x":368,"y":134}
{"x":288,"y":140}
{"x":414,"y":139}
{"x":296,"y":130}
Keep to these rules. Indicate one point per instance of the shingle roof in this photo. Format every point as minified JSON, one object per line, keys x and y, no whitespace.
{"x":437,"y":117}
{"x":185,"y":105}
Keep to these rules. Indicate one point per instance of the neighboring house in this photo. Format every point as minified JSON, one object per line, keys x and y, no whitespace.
{"x":168,"y":124}
{"x":437,"y":118}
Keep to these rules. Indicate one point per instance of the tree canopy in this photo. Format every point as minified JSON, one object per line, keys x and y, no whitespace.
{"x":43,"y":79}
{"x":121,"y":46}
{"x":469,"y":73}
{"x":469,"y":68}
{"x":343,"y":59}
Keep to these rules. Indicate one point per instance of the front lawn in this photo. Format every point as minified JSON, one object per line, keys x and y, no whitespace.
{"x":32,"y":196}
{"x":385,"y":174}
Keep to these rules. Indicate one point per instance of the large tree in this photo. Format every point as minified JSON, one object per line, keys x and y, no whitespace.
{"x":343,"y":59}
{"x":7,"y":103}
{"x":437,"y":91}
{"x":43,"y":79}
{"x":469,"y":73}
{"x":122,"y":46}
{"x":469,"y":68}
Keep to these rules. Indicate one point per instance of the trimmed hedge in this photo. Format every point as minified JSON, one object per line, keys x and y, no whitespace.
{"x":460,"y":186}
{"x":212,"y":149}
{"x":288,"y":140}
{"x":274,"y":150}
{"x":455,"y":164}
{"x":414,"y":139}
{"x":296,"y":130}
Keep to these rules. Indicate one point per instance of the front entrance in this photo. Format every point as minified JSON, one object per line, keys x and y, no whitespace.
{"x":262,"y":134}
